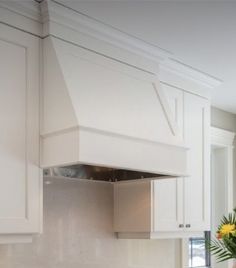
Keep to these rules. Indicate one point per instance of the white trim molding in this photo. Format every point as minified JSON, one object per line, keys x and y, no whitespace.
{"x":55,"y":12}
{"x":80,"y":29}
{"x":50,"y":17}
{"x":166,"y":109}
{"x":15,"y":238}
{"x":225,"y":139}
{"x":222,"y":137}
{"x":25,"y":16}
{"x":190,"y":73}
{"x":29,"y":9}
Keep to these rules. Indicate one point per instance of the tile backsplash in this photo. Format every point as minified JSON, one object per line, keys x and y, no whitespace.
{"x":78,"y":234}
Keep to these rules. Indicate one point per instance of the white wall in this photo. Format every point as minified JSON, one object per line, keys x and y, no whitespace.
{"x":78,"y":233}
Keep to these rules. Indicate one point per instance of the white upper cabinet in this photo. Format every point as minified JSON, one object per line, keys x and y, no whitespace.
{"x":192,"y":193}
{"x":147,"y":209}
{"x":108,"y":99}
{"x":174,"y":207}
{"x":168,"y":215}
{"x":197,"y":185}
{"x":167,"y":205}
{"x":20,"y":194}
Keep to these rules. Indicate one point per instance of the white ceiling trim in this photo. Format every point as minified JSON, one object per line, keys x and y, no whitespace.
{"x":56,"y":13}
{"x":29,"y":9}
{"x":28,"y":17}
{"x":21,"y":15}
{"x":189,"y":72}
{"x":222,"y":137}
{"x":82,"y":23}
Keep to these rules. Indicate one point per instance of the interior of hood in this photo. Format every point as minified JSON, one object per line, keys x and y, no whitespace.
{"x":98,"y":173}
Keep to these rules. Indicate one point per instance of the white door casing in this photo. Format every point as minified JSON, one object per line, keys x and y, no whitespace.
{"x":223,"y":140}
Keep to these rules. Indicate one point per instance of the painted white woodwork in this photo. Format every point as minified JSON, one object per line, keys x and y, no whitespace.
{"x":182,"y":76}
{"x":51,"y":18}
{"x":178,"y":207}
{"x":193,"y":117}
{"x":102,"y":101}
{"x":221,"y":185}
{"x":85,"y":31}
{"x":197,"y":186}
{"x":100,"y":111}
{"x":132,"y":214}
{"x":175,"y":98}
{"x":136,"y":211}
{"x":222,"y":138}
{"x":23,"y":15}
{"x":20,"y":182}
{"x":168,"y":215}
{"x":221,"y":179}
{"x":125,"y":100}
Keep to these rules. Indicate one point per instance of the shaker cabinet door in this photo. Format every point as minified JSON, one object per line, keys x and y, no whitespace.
{"x":167,"y":205}
{"x":197,"y":185}
{"x":168,"y":193}
{"x":19,"y":136}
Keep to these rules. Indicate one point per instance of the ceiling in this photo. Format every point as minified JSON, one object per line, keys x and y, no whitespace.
{"x":199,"y":33}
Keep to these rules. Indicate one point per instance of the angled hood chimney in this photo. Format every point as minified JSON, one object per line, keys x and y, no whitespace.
{"x":102,"y":112}
{"x":102,"y":102}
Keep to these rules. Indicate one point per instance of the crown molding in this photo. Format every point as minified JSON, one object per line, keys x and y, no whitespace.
{"x":25,"y":16}
{"x":222,"y":137}
{"x":55,"y":12}
{"x":50,"y":18}
{"x":190,"y":73}
{"x":55,"y":15}
{"x":29,"y":9}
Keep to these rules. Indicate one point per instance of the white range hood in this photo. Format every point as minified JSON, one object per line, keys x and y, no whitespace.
{"x":103,"y":112}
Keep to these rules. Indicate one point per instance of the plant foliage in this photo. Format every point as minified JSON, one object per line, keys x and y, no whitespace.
{"x":224,"y":246}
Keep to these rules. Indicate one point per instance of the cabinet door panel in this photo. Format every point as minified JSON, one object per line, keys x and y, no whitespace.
{"x":168,"y":193}
{"x":19,"y":136}
{"x":168,"y":212}
{"x":13,"y":131}
{"x":197,"y":186}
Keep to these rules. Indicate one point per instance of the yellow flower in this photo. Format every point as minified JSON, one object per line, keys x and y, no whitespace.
{"x":227,"y":229}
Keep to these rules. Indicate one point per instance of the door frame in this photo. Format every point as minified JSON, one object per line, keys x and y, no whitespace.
{"x":224,"y":139}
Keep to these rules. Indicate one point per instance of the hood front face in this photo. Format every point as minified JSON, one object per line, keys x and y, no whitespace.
{"x":103,"y":112}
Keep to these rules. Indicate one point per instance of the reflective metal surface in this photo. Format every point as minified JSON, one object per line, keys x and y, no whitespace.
{"x":98,"y":173}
